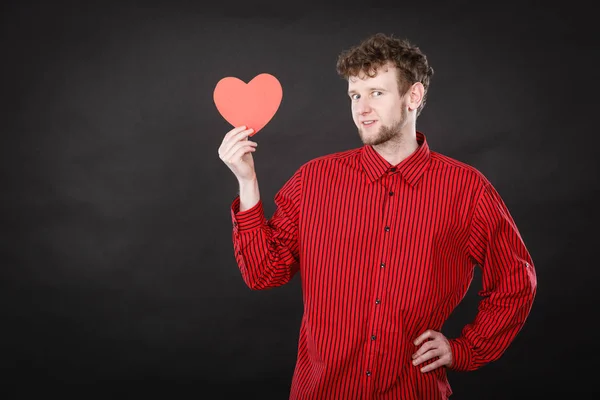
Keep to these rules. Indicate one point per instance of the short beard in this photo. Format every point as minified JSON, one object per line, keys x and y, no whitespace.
{"x":385,"y":133}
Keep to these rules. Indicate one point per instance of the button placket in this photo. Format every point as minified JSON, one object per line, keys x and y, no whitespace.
{"x":387,"y":212}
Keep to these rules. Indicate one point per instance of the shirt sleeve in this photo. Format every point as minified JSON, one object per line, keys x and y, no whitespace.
{"x":509,"y":285}
{"x":266,"y":251}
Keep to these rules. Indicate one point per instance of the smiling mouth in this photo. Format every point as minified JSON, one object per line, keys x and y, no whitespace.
{"x":368,"y":123}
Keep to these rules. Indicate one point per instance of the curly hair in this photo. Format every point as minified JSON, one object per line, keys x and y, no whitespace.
{"x":379,"y":49}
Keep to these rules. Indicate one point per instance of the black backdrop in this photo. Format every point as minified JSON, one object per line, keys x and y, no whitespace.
{"x":117,"y":261}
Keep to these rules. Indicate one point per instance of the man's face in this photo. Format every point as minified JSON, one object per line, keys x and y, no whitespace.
{"x":378,"y":109}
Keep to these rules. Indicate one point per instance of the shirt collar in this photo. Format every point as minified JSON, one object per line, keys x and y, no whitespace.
{"x":411,"y":168}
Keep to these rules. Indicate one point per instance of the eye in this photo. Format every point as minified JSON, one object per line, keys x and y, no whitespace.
{"x":377,"y":93}
{"x":354,"y":96}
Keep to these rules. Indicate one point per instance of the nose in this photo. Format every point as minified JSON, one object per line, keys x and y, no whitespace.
{"x":362,"y":106}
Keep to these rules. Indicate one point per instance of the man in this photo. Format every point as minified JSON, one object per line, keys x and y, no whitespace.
{"x":385,"y":238}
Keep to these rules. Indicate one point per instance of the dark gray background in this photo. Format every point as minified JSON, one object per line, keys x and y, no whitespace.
{"x":116,"y":253}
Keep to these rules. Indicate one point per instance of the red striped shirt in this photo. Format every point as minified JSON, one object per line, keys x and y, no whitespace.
{"x":385,"y":253}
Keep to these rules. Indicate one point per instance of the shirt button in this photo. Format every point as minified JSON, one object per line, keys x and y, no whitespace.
{"x":393,"y":169}
{"x":377,"y":301}
{"x":382,"y":265}
{"x":391,"y":193}
{"x":387,"y":228}
{"x":373,"y":337}
{"x":368,"y":373}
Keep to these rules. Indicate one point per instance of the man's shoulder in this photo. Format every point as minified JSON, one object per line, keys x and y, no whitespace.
{"x":339,"y":156}
{"x":442,"y":161}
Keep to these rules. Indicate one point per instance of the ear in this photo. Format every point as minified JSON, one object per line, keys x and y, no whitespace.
{"x":415,"y":96}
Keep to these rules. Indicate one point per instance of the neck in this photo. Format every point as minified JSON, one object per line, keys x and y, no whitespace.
{"x":399,"y":147}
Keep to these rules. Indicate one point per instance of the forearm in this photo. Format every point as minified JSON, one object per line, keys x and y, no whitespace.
{"x":249,"y":194}
{"x":502,"y":314}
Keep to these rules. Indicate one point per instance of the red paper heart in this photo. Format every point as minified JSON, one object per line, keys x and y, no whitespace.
{"x":253,"y":104}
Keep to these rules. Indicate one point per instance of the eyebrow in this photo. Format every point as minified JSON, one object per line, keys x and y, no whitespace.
{"x":369,"y":89}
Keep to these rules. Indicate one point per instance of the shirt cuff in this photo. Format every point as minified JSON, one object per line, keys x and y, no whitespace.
{"x":247,"y":219}
{"x":461,"y":354}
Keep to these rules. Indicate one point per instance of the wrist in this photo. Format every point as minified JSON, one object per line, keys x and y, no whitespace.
{"x":247,"y":181}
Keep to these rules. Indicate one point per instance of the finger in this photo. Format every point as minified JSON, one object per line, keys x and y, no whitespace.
{"x":239,"y":153}
{"x":243,"y":134}
{"x":424,"y":348}
{"x":230,"y":148}
{"x":425,"y":335}
{"x":433,"y":365}
{"x":427,"y":356}
{"x":236,"y":137}
{"x":235,"y":131}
